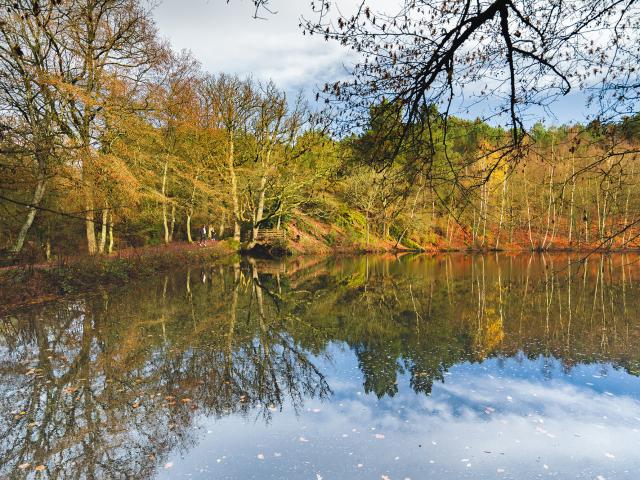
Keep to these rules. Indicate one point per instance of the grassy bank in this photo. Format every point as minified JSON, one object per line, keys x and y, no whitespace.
{"x":32,"y":284}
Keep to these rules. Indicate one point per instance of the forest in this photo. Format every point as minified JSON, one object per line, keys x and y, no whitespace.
{"x":110,"y":140}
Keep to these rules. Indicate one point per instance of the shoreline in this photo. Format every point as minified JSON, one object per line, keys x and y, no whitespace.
{"x":25,"y":285}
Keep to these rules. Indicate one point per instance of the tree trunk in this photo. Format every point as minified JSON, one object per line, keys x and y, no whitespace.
{"x":234,"y":189}
{"x":573,"y":191}
{"x":165,"y":221}
{"x":260,"y":210}
{"x":368,"y":228}
{"x":626,"y":213}
{"x":103,"y":231}
{"x":189,"y":237}
{"x":173,"y":222}
{"x":110,"y":248}
{"x":38,"y":195}
{"x":90,"y":225}
{"x":546,"y":232}
{"x":485,"y":214}
{"x":221,"y":230}
{"x":526,"y":196}
{"x":504,"y":191}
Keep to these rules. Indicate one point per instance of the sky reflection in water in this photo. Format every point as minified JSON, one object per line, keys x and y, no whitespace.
{"x":454,"y":367}
{"x":501,"y":418}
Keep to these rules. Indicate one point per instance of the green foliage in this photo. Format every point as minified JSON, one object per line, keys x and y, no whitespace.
{"x":231,"y":244}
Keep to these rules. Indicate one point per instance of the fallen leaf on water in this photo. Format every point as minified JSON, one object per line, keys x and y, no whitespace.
{"x":40,"y":468}
{"x":135,"y":405}
{"x":186,"y":400}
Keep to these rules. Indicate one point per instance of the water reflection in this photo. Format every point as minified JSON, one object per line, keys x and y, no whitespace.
{"x":450,"y":357}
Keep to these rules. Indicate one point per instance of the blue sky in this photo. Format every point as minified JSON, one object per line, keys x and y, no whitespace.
{"x":225,"y":38}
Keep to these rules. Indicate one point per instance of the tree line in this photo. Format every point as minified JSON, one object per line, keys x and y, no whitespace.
{"x":110,"y":139}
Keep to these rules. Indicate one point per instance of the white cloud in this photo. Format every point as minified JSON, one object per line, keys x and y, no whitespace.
{"x":225,"y":38}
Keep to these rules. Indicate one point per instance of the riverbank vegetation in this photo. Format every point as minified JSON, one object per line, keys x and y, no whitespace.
{"x":110,"y":140}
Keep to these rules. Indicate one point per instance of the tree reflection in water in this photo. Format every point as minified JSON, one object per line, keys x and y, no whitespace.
{"x":105,"y":385}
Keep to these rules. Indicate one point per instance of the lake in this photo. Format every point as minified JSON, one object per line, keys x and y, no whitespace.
{"x":445,"y":367}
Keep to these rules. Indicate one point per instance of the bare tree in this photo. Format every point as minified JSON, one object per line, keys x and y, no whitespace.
{"x":506,"y":55}
{"x":27,"y":98}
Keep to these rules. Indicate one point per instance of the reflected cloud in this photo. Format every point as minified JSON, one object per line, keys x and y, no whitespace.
{"x":476,"y":364}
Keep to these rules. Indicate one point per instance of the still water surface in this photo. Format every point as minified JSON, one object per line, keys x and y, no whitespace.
{"x":449,"y":367}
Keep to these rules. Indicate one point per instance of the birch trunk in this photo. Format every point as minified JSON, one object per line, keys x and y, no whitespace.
{"x":504,"y":191}
{"x":110,"y":247}
{"x":526,"y":196}
{"x":38,"y":195}
{"x":103,"y":231}
{"x":90,"y":225}
{"x":173,"y":222}
{"x":573,"y":191}
{"x":189,"y":237}
{"x":546,"y":232}
{"x":165,"y":221}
